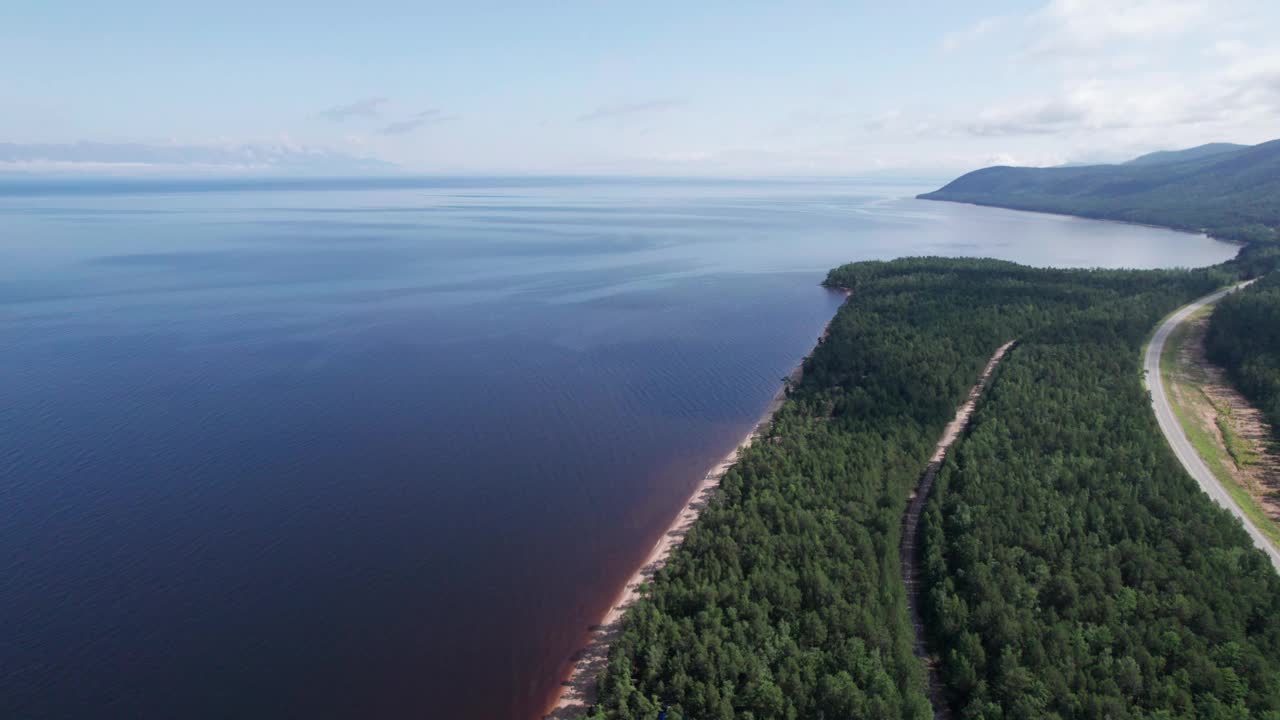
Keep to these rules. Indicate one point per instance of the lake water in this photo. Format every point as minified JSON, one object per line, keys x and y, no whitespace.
{"x":386,"y":449}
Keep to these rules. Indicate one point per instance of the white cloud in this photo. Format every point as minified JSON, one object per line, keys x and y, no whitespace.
{"x":1083,"y":26}
{"x":1229,"y":49}
{"x":1252,"y":86}
{"x":1097,"y":105}
{"x":965,"y":37}
{"x":414,"y":122}
{"x":1112,"y":77}
{"x":884,"y":120}
{"x":629,"y":109}
{"x":283,"y":156}
{"x":367,"y":108}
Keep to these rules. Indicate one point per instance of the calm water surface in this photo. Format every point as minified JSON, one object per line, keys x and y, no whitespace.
{"x":386,"y":450}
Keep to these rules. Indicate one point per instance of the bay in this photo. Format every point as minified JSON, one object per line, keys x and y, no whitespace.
{"x":386,"y":448}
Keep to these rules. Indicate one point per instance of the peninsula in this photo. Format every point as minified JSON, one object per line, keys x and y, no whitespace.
{"x":1059,"y":511}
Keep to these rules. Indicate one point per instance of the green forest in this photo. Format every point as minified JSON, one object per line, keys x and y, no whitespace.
{"x":1244,"y":338}
{"x":1074,"y":571}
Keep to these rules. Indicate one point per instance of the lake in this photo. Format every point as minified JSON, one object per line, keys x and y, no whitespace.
{"x":366,"y":449}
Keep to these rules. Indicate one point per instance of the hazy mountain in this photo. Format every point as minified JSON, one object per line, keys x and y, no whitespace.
{"x":141,"y":158}
{"x":1225,"y":192}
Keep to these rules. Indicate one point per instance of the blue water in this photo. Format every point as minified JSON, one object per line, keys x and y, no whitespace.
{"x":386,"y":449}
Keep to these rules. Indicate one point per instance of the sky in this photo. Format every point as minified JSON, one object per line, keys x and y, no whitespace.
{"x":713,"y":88}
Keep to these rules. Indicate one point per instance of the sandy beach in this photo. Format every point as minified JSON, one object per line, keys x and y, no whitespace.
{"x":578,"y":691}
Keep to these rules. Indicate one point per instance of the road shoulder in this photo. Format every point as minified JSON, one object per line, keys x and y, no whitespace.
{"x":1181,"y":445}
{"x":1230,"y":435}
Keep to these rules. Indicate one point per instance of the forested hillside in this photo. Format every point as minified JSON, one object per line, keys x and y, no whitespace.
{"x":785,"y":600}
{"x":1233,"y":194}
{"x":1244,"y":338}
{"x":1196,"y":153}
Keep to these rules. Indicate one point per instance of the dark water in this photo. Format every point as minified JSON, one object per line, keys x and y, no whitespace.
{"x":385,"y":451}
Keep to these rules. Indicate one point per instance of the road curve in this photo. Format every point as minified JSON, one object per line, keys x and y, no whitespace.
{"x":1172,"y":430}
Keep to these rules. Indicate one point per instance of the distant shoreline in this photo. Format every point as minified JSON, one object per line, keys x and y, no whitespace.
{"x":577,"y":691}
{"x":1170,"y":228}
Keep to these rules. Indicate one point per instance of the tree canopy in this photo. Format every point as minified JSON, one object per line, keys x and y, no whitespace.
{"x":1074,"y":569}
{"x":1244,"y":338}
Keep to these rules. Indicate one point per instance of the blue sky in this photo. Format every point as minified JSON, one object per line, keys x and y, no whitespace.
{"x":706,"y":88}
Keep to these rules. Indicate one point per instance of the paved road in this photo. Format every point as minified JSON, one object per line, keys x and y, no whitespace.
{"x":1173,"y":431}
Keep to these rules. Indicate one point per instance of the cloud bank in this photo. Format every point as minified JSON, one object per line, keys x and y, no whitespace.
{"x":135,"y":158}
{"x":367,"y":108}
{"x":414,"y":122}
{"x":623,"y":110}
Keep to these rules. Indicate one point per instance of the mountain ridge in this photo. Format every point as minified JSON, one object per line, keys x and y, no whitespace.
{"x":1162,"y":157}
{"x":1232,"y":194}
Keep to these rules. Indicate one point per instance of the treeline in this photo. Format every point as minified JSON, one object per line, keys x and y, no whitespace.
{"x":1073,"y":569}
{"x":785,"y":600}
{"x":1254,"y":260}
{"x":1244,"y":338}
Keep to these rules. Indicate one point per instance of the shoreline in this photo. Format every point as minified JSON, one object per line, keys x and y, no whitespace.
{"x":577,"y":690}
{"x":1199,"y":233}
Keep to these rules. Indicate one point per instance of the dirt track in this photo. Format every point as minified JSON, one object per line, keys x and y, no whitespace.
{"x":909,"y":552}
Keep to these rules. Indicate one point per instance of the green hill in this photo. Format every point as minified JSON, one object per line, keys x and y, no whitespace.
{"x":1230,"y":193}
{"x":1199,"y":152}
